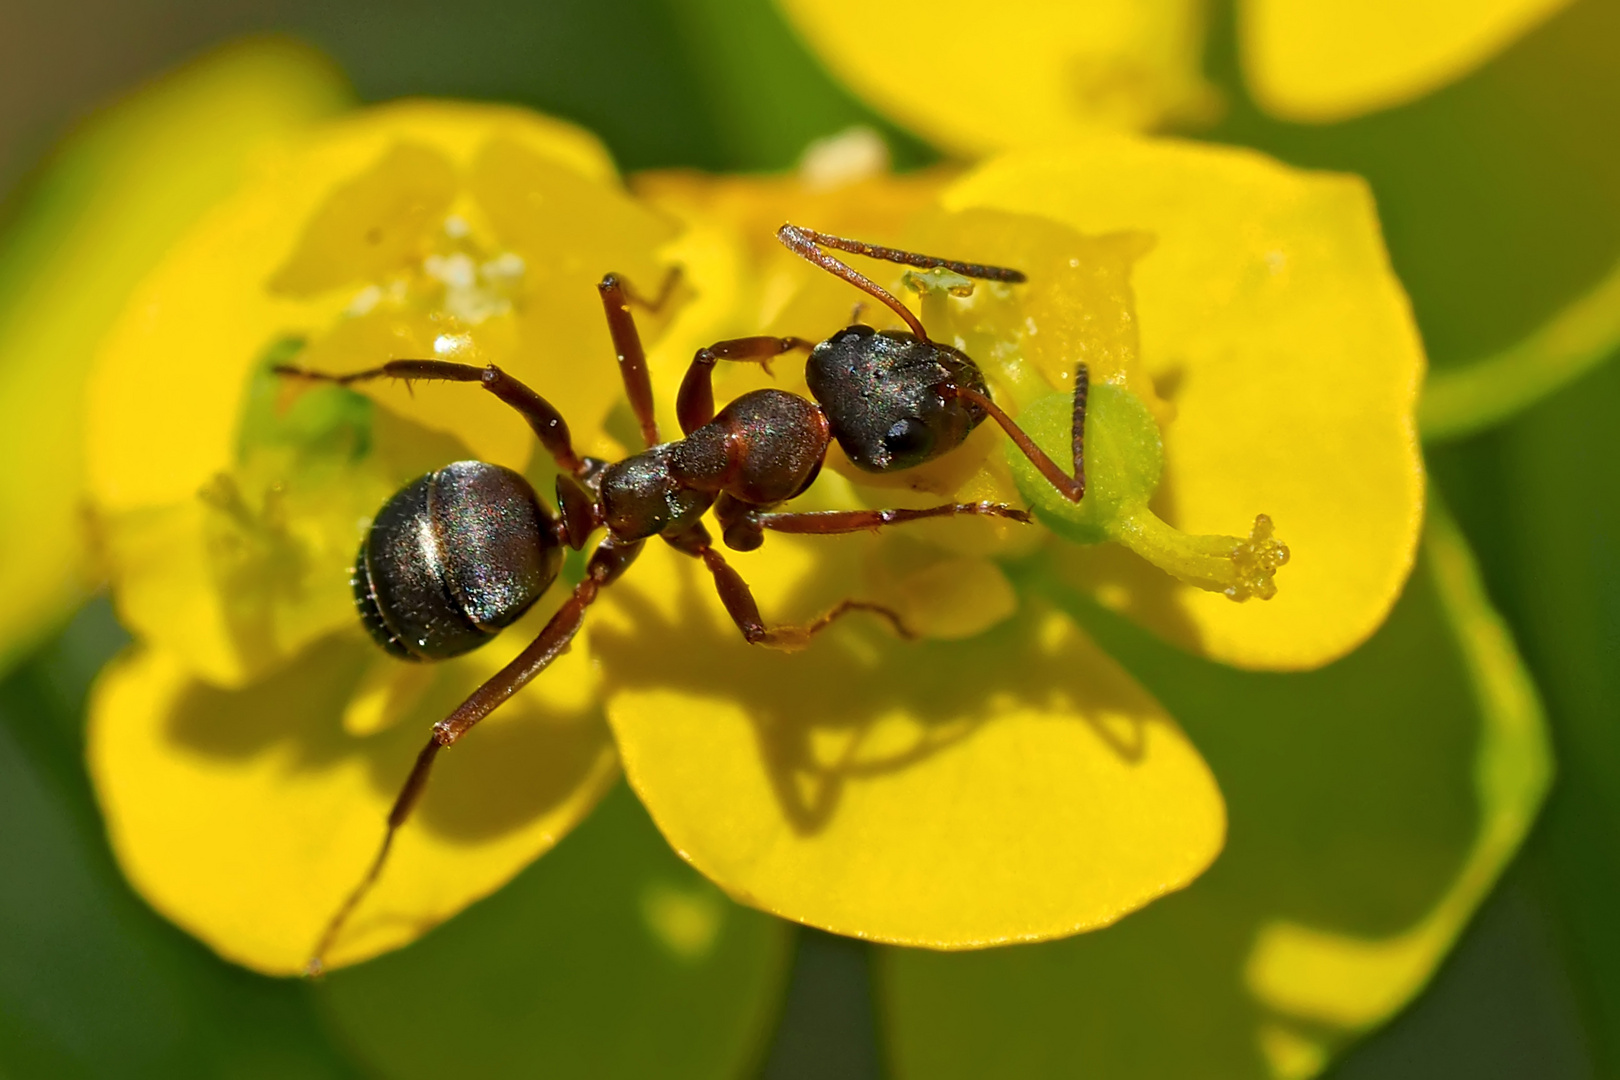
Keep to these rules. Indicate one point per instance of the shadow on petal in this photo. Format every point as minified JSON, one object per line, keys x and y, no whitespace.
{"x":247,"y":815}
{"x":1014,"y":786}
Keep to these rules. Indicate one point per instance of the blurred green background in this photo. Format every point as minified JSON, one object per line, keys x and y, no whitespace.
{"x":1500,"y":196}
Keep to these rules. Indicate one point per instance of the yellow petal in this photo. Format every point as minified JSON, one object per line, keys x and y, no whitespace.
{"x":1272,"y":323}
{"x":163,"y":402}
{"x":570,"y":230}
{"x":1014,"y":787}
{"x":230,"y":593}
{"x":247,"y":815}
{"x":974,"y":77}
{"x":1328,"y":60}
{"x":113,"y":199}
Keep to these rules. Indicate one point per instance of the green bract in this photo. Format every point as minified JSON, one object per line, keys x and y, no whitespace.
{"x":1124,"y":462}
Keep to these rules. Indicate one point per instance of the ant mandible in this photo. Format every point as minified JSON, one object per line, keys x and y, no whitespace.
{"x":459,"y":554}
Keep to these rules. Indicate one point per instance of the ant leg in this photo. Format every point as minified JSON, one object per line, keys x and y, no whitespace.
{"x":617,"y":296}
{"x":1071,"y":488}
{"x":542,"y":416}
{"x":694,"y":404}
{"x":828,"y":522}
{"x":807,"y":244}
{"x":608,"y":562}
{"x":744,"y":611}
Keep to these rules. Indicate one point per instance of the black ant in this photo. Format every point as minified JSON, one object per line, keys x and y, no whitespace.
{"x":459,"y":554}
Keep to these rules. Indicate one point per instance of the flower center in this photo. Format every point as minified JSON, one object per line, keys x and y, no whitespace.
{"x":1079,"y":307}
{"x":459,"y":284}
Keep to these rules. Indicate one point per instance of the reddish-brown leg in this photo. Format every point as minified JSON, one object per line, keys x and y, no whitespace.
{"x":807,"y":244}
{"x":542,"y":416}
{"x":1071,"y":488}
{"x":828,"y":522}
{"x":694,"y":404}
{"x":617,"y":296}
{"x":607,"y":563}
{"x":744,"y":611}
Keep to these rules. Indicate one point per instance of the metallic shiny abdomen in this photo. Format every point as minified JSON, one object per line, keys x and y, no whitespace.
{"x":453,"y":558}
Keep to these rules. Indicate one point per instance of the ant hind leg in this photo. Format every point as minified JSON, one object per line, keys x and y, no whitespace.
{"x":607,"y":563}
{"x":739,"y":601}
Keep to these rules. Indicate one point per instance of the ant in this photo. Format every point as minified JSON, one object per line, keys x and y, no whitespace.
{"x":457,"y":555}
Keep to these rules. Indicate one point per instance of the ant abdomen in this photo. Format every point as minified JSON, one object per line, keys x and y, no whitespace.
{"x":886,"y":396}
{"x":452,"y":559}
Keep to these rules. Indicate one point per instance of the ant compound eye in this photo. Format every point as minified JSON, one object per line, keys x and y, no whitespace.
{"x":908,"y":441}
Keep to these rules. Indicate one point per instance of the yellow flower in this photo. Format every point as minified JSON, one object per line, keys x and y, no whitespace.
{"x":109,"y":203}
{"x":1020,"y":785}
{"x":247,"y":751}
{"x":1040,"y":73}
{"x":1002,"y":780}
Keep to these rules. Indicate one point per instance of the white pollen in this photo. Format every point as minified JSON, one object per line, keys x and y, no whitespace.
{"x":456,"y":271}
{"x":364,"y":300}
{"x":450,"y":344}
{"x":506,"y":267}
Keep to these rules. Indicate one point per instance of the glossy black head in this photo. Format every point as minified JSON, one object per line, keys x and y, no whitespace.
{"x":883,"y":393}
{"x":452,"y":558}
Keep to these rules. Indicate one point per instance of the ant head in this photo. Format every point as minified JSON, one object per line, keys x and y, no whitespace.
{"x":888,"y":396}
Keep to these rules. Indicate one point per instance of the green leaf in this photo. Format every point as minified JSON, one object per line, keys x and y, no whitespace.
{"x":1373,"y":804}
{"x":1467,"y":398}
{"x":1542,"y":497}
{"x":1124,"y":460}
{"x":94,"y":984}
{"x":768,"y":98}
{"x":608,"y":958}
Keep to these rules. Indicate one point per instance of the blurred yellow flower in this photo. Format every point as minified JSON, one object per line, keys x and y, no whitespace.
{"x":1039,"y":73}
{"x":1321,"y":62}
{"x":106,"y":207}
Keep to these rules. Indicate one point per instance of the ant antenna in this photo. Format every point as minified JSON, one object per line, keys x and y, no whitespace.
{"x":807,"y":244}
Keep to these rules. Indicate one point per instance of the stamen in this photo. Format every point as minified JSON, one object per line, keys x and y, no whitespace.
{"x":1238,"y":568}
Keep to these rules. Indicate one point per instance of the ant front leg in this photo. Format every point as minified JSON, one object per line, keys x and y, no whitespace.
{"x":743,"y":526}
{"x":617,"y":296}
{"x":694,"y":404}
{"x":608,"y":562}
{"x":739,"y":601}
{"x":543,"y":417}
{"x":1071,"y":488}
{"x":832,"y":522}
